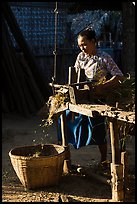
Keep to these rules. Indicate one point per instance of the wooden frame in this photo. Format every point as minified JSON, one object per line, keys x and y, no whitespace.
{"x":117,"y":166}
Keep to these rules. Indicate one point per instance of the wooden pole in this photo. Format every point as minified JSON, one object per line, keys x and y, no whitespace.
{"x":67,"y":160}
{"x":124,"y":161}
{"x":63,"y":128}
{"x":117,"y":182}
{"x":114,"y":141}
{"x":116,"y":166}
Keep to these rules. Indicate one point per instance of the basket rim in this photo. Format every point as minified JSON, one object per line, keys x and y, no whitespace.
{"x":33,"y":157}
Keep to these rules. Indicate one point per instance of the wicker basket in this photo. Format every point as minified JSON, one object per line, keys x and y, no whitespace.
{"x":38,"y":171}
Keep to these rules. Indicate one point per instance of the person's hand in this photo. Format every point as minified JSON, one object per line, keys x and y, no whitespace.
{"x":103,"y":88}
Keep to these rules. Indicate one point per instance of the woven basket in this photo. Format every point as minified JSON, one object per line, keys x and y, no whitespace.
{"x":38,"y":171}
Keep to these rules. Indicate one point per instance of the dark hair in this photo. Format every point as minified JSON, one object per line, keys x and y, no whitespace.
{"x":89,"y":33}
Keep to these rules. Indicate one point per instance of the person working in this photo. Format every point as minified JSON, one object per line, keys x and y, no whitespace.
{"x":95,"y":61}
{"x":97,"y":64}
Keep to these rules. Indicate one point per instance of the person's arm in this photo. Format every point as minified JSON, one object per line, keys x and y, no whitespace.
{"x":111,"y":83}
{"x":113,"y":69}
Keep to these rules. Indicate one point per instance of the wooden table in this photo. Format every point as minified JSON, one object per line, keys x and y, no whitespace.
{"x":113,"y":114}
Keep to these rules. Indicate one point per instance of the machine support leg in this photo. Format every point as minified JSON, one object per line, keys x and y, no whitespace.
{"x":116,"y":166}
{"x":67,"y":161}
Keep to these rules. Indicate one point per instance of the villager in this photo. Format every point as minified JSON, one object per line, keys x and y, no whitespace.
{"x":98,"y":66}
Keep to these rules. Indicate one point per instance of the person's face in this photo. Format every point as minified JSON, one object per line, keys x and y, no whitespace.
{"x":86,"y":46}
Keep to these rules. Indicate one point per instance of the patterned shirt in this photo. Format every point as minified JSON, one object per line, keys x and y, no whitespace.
{"x":97,"y":66}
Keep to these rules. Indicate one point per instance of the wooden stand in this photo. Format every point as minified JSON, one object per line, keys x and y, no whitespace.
{"x":81,"y":95}
{"x":119,"y":159}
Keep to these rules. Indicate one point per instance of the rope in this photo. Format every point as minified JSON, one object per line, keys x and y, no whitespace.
{"x":55,"y":45}
{"x":55,"y":48}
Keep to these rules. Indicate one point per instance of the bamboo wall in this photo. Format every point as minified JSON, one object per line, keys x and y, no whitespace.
{"x":28,"y":71}
{"x":128,"y":12}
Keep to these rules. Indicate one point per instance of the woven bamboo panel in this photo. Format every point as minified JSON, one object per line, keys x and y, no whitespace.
{"x":38,"y":24}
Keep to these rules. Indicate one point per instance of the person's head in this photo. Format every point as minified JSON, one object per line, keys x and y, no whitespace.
{"x":87,"y":41}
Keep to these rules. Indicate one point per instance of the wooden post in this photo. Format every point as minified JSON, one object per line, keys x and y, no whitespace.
{"x":114,"y":141}
{"x":116,"y":166}
{"x":124,"y":161}
{"x":63,"y":128}
{"x":72,"y":78}
{"x":117,"y":182}
{"x":67,"y":160}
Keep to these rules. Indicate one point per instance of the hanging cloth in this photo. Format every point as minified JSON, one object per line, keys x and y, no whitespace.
{"x":84,"y":130}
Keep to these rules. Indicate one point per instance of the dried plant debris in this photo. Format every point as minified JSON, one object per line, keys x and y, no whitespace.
{"x":123,"y":94}
{"x":54,"y":102}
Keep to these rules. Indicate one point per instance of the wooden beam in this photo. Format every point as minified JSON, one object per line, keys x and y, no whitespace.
{"x":103,"y":110}
{"x":114,"y":141}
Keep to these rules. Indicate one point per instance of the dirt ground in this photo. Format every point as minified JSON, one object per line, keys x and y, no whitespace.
{"x":75,"y":187}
